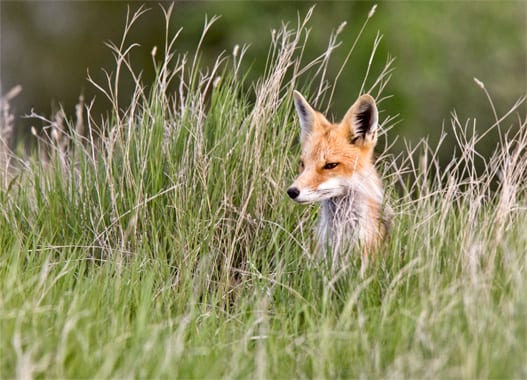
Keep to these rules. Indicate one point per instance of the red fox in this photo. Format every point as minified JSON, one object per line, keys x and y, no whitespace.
{"x":336,"y":169}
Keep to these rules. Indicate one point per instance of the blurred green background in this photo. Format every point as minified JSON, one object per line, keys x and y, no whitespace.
{"x":439,"y":46}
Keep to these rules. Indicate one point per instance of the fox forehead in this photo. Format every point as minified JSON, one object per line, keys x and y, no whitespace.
{"x":329,"y":142}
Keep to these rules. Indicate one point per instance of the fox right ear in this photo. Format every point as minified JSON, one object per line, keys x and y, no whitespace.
{"x":306,"y":114}
{"x":363,"y":119}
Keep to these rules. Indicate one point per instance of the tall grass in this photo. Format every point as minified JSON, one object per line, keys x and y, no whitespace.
{"x":158,"y":242}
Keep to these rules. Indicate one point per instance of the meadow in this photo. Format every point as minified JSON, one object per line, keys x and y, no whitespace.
{"x":158,"y":241}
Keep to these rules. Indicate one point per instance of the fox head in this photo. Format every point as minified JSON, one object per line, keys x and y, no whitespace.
{"x":334,"y":156}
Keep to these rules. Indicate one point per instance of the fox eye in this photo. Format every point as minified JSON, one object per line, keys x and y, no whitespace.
{"x":301,"y":165}
{"x":330,"y":165}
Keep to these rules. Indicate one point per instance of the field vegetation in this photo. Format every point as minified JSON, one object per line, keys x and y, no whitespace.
{"x":158,"y":242}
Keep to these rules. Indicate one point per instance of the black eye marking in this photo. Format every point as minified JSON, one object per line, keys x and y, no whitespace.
{"x":330,"y":165}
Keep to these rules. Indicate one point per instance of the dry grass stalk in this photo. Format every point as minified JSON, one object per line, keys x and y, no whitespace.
{"x":7,"y":125}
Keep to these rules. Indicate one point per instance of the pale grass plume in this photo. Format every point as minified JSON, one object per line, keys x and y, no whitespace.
{"x":7,"y":125}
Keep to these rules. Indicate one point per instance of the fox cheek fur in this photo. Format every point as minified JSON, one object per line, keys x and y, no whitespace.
{"x":337,"y":169}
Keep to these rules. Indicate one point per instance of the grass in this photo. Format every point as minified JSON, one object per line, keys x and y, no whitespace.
{"x":158,"y":242}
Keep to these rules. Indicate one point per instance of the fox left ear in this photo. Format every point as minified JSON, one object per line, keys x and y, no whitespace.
{"x":306,"y":114}
{"x":362,"y":118}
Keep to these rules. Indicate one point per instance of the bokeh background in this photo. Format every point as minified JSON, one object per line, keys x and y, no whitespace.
{"x":440,"y":46}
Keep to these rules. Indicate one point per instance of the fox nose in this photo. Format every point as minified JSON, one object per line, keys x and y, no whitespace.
{"x":293,"y":192}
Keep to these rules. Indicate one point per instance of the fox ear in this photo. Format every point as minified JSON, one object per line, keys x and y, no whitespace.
{"x":362,"y":118}
{"x":306,"y":114}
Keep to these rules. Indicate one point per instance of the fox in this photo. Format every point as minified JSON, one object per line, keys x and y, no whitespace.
{"x":337,"y":169}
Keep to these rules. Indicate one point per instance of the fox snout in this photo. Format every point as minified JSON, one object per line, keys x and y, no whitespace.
{"x":330,"y":188}
{"x":301,"y":194}
{"x":293,"y":192}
